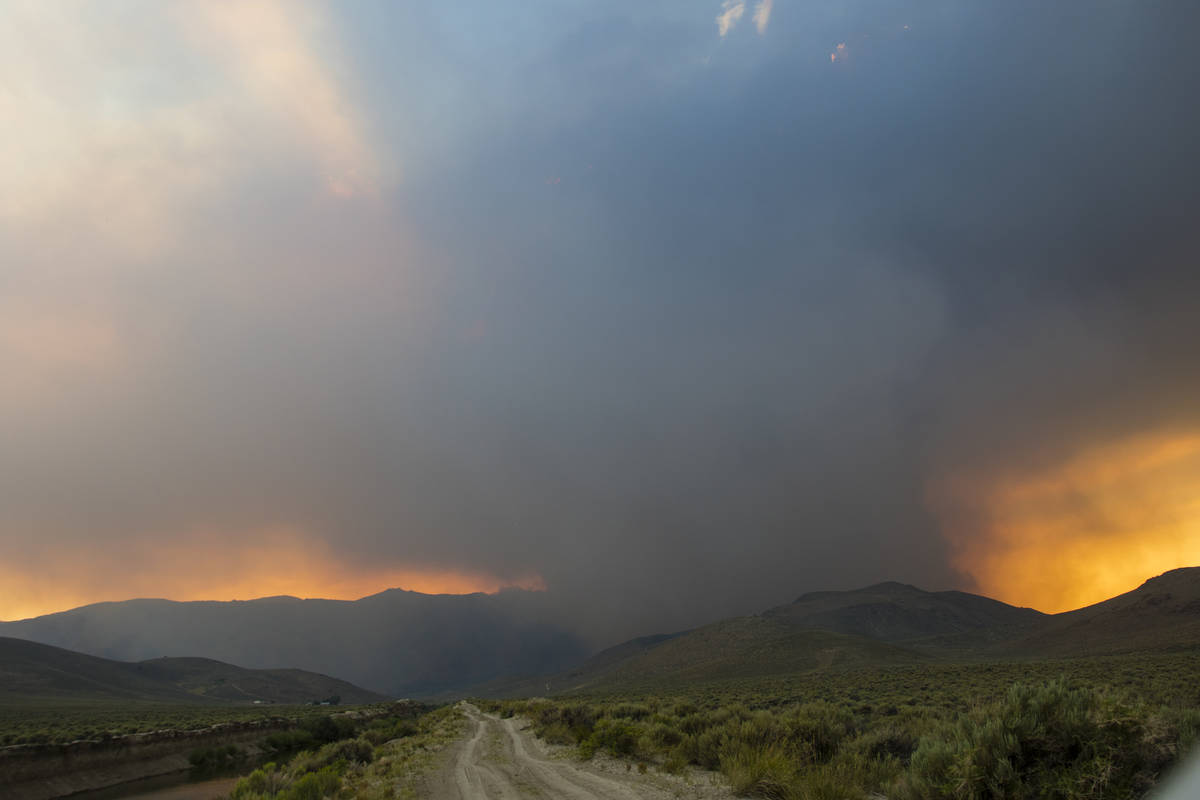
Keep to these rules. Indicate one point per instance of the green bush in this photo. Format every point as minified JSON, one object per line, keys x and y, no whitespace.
{"x":820,"y":727}
{"x":664,"y":736}
{"x":211,"y":757}
{"x":932,"y":731}
{"x":616,"y":736}
{"x":290,"y":741}
{"x":887,"y":740}
{"x":1050,"y":741}
{"x":587,"y":749}
{"x":313,"y":786}
{"x":264,"y":781}
{"x":556,"y":733}
{"x":758,"y":772}
{"x":327,"y":729}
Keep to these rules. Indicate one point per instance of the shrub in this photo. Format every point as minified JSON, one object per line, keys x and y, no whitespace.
{"x":1051,"y":741}
{"x":617,"y":736}
{"x":313,"y":786}
{"x":703,"y":750}
{"x":266,"y":780}
{"x":210,"y":757}
{"x":820,"y":728}
{"x":674,"y":763}
{"x":556,"y":733}
{"x":353,"y":751}
{"x":684,"y":709}
{"x":886,"y":741}
{"x":288,"y":741}
{"x":630,"y":711}
{"x":755,"y":772}
{"x":329,"y":729}
{"x":664,"y":736}
{"x":587,"y":749}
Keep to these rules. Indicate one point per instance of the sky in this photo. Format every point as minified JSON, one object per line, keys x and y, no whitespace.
{"x":671,"y":310}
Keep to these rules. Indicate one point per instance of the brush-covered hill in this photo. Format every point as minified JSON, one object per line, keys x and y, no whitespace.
{"x":736,"y":648}
{"x":883,"y":624}
{"x":749,"y":647}
{"x":1161,"y":614}
{"x":400,"y":643}
{"x":899,"y":613}
{"x":32,"y":672}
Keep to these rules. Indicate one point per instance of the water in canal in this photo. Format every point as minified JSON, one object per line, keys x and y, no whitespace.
{"x":183,"y":785}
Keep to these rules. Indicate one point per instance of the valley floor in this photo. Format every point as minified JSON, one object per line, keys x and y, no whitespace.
{"x":499,"y":759}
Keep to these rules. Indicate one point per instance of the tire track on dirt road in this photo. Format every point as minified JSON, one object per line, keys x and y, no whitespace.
{"x":499,"y":760}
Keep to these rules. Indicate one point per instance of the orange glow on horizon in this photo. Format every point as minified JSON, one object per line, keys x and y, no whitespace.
{"x":276,"y":562}
{"x":1090,"y":528}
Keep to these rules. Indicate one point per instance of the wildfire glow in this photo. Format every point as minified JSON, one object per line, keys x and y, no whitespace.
{"x":1089,"y":528}
{"x":273,"y":562}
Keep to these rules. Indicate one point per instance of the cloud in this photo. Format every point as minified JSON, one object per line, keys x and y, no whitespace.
{"x":731,"y":13}
{"x":200,"y":564}
{"x":146,"y":111}
{"x":51,"y":354}
{"x":278,"y":54}
{"x":1080,"y":531}
{"x":708,"y":364}
{"x":762,"y":15}
{"x":126,"y":132}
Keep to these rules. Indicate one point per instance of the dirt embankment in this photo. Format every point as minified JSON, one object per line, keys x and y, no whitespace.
{"x":43,"y":772}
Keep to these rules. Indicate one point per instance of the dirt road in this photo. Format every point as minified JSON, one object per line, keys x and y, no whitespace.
{"x":499,"y":760}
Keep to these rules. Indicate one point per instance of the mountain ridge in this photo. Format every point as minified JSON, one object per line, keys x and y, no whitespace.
{"x":34,"y":671}
{"x":411,"y":644}
{"x":950,"y":625}
{"x":396,"y":642}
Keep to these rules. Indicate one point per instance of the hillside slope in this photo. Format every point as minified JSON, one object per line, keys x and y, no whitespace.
{"x":740,"y":647}
{"x":1161,"y":614}
{"x":898,"y":613}
{"x":400,"y":643}
{"x":881,"y":624}
{"x":744,"y":647}
{"x":31,"y":672}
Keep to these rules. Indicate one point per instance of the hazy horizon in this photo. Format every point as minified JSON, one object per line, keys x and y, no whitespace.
{"x":504,"y":589}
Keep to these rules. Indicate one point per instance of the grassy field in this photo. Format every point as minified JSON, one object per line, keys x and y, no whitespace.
{"x":1073,"y":729}
{"x":1081,"y":728}
{"x":58,"y":722}
{"x":1077,"y":729}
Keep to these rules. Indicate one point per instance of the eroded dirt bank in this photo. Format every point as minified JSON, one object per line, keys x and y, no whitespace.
{"x":48,"y":771}
{"x":44,"y":772}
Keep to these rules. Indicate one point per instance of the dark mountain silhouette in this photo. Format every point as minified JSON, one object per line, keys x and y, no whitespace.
{"x":34,"y":672}
{"x":396,"y":642}
{"x":410,"y":644}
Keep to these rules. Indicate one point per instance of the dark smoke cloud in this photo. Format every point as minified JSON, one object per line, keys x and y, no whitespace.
{"x":686,"y":325}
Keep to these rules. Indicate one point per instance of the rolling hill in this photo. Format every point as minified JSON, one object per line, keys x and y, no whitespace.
{"x":899,"y":613}
{"x":1161,"y":614}
{"x":33,"y":672}
{"x":740,"y":647}
{"x":400,"y":643}
{"x":409,"y":644}
{"x":884,"y":624}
